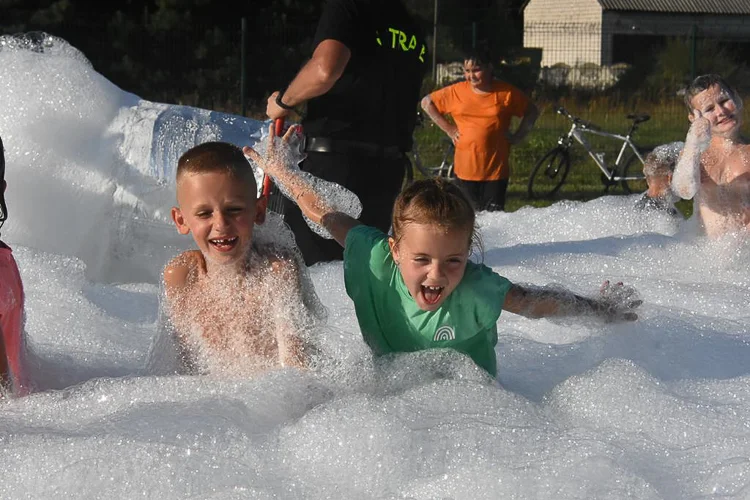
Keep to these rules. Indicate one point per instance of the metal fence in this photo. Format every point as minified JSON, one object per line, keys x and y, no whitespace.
{"x":601,"y":71}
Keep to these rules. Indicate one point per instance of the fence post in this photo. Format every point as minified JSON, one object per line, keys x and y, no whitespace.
{"x":434,"y":44}
{"x":243,"y":67}
{"x":693,"y":50}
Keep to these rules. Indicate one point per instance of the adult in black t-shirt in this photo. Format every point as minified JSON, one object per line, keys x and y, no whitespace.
{"x":361,"y":86}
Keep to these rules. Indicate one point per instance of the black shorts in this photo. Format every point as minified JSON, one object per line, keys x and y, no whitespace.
{"x":485,"y":195}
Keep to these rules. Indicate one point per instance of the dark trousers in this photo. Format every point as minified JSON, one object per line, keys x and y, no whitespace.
{"x":485,"y":195}
{"x":375,"y":180}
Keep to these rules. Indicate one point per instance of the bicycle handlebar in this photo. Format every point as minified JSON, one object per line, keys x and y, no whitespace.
{"x":578,"y":121}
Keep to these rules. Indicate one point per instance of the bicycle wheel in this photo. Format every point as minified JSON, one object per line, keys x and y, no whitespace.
{"x":549,"y":173}
{"x":632,"y":173}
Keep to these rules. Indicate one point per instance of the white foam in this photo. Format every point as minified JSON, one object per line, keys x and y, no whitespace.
{"x":652,"y":409}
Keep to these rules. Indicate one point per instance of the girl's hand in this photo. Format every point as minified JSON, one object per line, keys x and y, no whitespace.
{"x":277,"y":155}
{"x":616,"y":302}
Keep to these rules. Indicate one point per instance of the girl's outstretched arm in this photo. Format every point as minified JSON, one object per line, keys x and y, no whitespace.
{"x":307,"y":191}
{"x":616,"y":302}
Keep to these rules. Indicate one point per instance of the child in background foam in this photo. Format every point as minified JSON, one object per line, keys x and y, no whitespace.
{"x":714,"y":168}
{"x":234,"y":307}
{"x":658,"y":168}
{"x":417,"y":289}
{"x":13,"y":372}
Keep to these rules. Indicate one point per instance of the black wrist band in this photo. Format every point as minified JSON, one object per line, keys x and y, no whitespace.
{"x":280,"y":104}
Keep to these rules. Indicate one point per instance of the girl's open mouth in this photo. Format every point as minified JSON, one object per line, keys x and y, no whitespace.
{"x":432,"y":294}
{"x":224,"y":244}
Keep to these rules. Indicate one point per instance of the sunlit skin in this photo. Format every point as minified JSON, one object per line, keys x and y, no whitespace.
{"x":478,"y":75}
{"x":659,"y":185}
{"x":432,"y":260}
{"x":723,"y":200}
{"x":220,"y":211}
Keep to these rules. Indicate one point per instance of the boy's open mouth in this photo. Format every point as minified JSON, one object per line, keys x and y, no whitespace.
{"x":224,"y":244}
{"x":432,"y":294}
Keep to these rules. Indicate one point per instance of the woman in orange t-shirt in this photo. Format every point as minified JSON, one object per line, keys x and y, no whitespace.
{"x":482,"y":109}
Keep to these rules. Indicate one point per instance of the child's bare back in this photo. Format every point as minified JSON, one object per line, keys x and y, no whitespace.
{"x":236,"y":323}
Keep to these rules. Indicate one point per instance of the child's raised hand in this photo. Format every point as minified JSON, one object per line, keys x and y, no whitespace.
{"x":617,"y":302}
{"x":277,"y":153}
{"x":699,"y":134}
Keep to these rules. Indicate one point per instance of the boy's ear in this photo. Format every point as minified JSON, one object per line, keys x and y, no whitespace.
{"x":691,"y":117}
{"x":179,"y":221}
{"x":260,"y":209}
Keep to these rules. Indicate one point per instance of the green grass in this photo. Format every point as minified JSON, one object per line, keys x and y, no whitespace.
{"x":668,"y":123}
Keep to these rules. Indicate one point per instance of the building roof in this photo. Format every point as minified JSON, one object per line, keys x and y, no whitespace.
{"x":676,"y":6}
{"x":680,"y":6}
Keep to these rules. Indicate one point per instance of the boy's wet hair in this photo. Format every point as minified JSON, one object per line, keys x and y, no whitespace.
{"x":3,"y":208}
{"x":220,"y":157}
{"x":662,"y":160}
{"x":705,"y":82}
{"x":434,"y":201}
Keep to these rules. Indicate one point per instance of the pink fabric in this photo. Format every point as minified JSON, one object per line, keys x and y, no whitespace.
{"x":12,"y":321}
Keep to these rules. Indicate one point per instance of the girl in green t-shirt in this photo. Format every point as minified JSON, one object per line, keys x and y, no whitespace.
{"x":417,"y":289}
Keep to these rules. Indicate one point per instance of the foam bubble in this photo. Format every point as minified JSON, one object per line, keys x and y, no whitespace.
{"x":651,"y":409}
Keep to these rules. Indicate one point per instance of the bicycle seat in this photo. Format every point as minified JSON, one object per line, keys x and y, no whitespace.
{"x":639,"y":118}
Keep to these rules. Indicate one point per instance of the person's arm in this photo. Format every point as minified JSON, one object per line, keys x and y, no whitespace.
{"x":686,"y":178}
{"x":441,"y":121}
{"x":289,"y":315}
{"x":315,"y":78}
{"x":179,"y":274}
{"x":615,"y":304}
{"x":301,"y":189}
{"x":4,"y":369}
{"x":527,"y":123}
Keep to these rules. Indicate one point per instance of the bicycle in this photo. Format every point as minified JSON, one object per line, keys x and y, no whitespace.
{"x":443,"y":169}
{"x":551,"y":170}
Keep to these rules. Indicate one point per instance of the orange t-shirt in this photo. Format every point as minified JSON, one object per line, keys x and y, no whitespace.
{"x":483,"y":121}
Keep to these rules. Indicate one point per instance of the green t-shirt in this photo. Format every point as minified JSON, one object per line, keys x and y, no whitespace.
{"x":390,"y":319}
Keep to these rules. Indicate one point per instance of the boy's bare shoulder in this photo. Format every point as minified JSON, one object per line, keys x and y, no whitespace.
{"x":184,"y":269}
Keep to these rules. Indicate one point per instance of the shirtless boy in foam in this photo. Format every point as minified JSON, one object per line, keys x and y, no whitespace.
{"x":234,"y":308}
{"x":714,"y":168}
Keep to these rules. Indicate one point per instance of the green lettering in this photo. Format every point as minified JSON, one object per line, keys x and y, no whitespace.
{"x":402,"y":41}
{"x":377,"y":38}
{"x":421,"y":53}
{"x":413,"y":43}
{"x":393,"y":38}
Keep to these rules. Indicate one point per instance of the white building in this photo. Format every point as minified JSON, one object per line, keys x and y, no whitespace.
{"x":605,"y":32}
